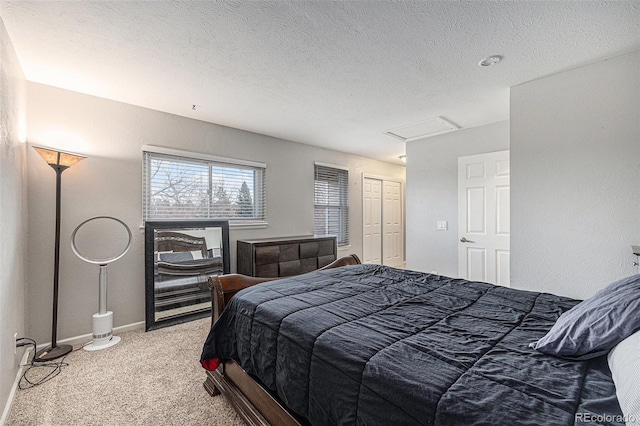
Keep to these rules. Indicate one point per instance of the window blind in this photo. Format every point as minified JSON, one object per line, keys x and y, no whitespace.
{"x":181,"y":187}
{"x":331,"y":212}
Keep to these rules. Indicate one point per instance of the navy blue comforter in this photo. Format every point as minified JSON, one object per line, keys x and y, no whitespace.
{"x":373,"y":345}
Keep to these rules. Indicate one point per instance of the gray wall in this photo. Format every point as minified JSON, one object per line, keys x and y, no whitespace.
{"x":432,"y":193}
{"x":12,"y":214}
{"x":575,"y":177}
{"x":108,"y":182}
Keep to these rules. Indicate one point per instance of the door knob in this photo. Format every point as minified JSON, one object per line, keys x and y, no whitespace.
{"x":464,"y":240}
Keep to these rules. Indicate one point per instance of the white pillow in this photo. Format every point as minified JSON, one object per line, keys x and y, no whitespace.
{"x":196,"y":254}
{"x":624,"y":362}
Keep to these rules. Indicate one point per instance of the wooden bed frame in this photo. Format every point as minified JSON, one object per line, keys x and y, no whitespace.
{"x":177,"y":241}
{"x":254,"y":403}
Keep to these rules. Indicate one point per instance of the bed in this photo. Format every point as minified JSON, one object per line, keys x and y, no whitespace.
{"x":182,"y":267}
{"x":369,"y":344}
{"x":180,"y":254}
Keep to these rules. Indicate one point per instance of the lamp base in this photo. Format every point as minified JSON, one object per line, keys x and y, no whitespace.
{"x":49,"y":353}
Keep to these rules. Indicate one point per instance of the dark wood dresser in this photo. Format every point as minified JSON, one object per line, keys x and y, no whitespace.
{"x":283,"y":257}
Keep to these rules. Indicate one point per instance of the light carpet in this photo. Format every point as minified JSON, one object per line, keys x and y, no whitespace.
{"x":152,"y":378}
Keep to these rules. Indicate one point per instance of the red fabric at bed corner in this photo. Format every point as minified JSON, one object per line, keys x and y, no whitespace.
{"x":210,"y":364}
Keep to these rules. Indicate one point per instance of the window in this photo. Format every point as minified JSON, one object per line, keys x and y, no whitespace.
{"x":331,"y":212}
{"x":190,"y":186}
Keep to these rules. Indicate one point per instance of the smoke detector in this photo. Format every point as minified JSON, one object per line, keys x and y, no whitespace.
{"x":490,"y":61}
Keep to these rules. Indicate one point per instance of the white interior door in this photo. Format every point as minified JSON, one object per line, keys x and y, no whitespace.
{"x":484,"y":217}
{"x":393,"y":240}
{"x":372,"y":221}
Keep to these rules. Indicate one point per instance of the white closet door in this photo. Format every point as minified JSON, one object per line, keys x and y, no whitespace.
{"x":393,"y":240}
{"x":372,"y":221}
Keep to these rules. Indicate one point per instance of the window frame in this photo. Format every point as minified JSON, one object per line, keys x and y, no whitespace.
{"x":150,"y":152}
{"x":343,"y":236}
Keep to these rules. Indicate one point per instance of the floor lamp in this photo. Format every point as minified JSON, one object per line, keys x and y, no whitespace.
{"x":59,"y":161}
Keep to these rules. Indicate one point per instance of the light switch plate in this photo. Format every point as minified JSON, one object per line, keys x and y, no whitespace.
{"x":442,"y":225}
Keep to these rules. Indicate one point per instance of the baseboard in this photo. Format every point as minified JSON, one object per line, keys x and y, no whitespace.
{"x":85,"y":338}
{"x":12,"y":393}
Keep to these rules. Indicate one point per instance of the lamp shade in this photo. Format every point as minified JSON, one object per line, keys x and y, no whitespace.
{"x":58,"y":158}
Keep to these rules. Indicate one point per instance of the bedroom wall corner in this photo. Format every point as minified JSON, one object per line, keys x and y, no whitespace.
{"x":432,"y":193}
{"x":12,"y":216}
{"x":575,"y":161}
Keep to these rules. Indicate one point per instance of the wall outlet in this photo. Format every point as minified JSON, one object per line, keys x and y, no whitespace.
{"x":15,"y":343}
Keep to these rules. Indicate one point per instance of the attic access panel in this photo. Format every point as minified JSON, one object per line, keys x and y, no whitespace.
{"x":431,"y":127}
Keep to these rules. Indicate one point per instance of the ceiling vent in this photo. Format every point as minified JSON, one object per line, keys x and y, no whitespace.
{"x":431,"y":127}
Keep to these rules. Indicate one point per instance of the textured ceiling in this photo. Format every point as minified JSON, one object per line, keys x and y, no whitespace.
{"x":329,"y":73}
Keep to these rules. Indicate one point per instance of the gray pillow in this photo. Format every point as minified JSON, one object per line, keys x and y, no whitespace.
{"x":176,"y":257}
{"x":594,"y":326}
